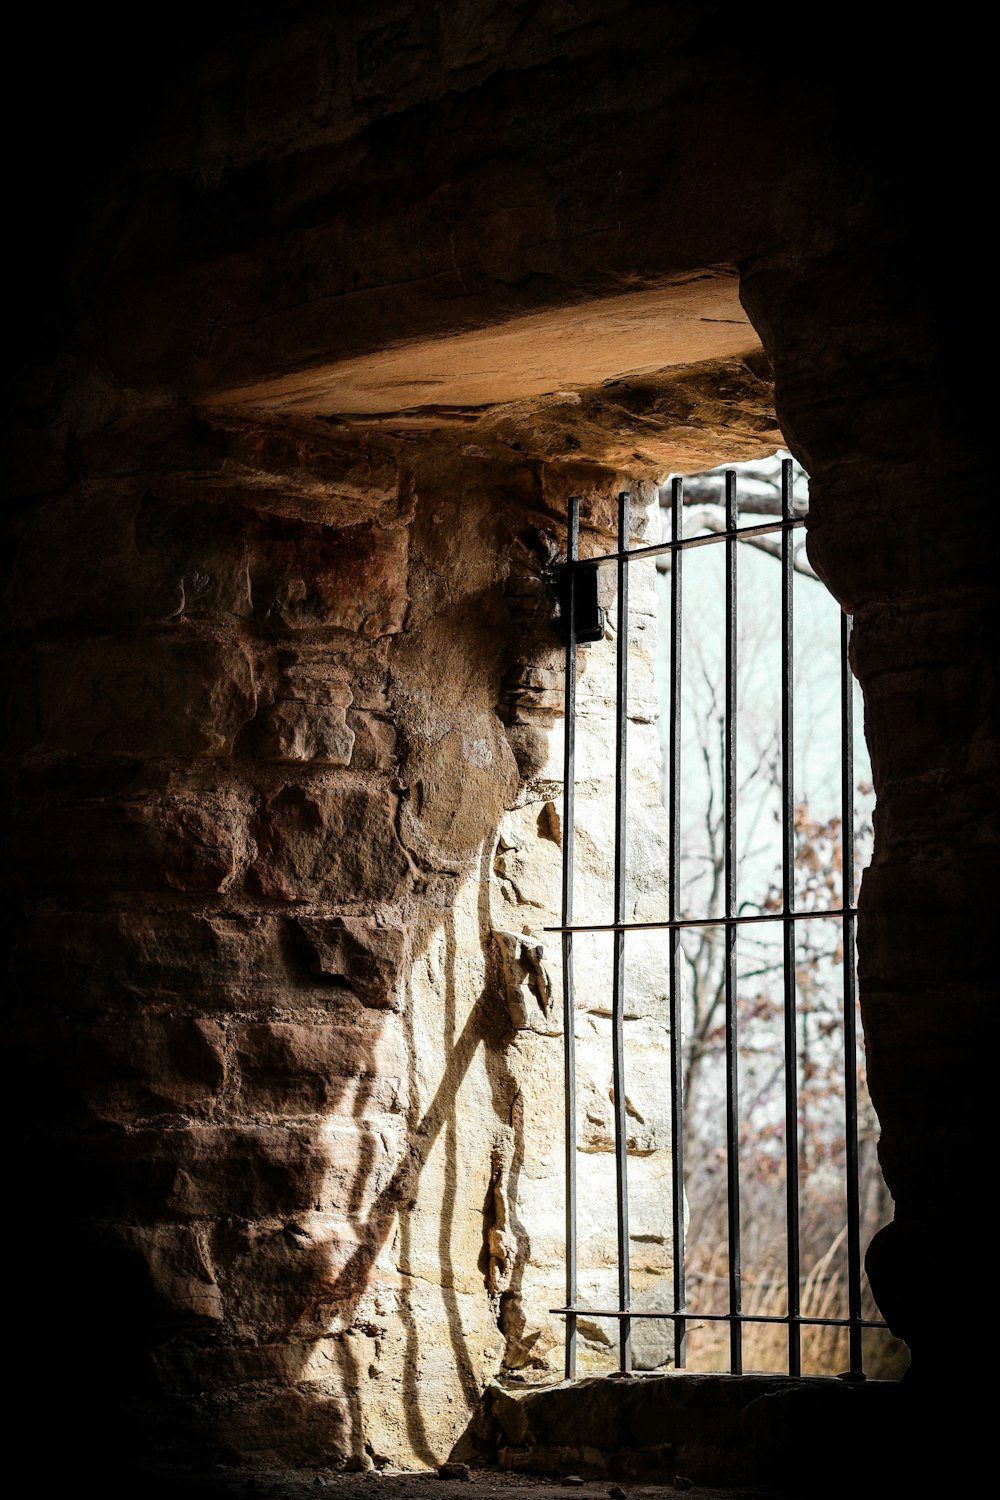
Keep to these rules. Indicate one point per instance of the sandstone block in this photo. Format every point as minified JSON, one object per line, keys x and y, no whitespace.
{"x":180,"y":844}
{"x":210,"y":1171}
{"x":296,"y":1278}
{"x":178,"y":960}
{"x":328,"y":841}
{"x":127,"y":1071}
{"x":351,"y":579}
{"x":187,"y":1367}
{"x":374,"y":745}
{"x":297,"y":731}
{"x":306,"y":475}
{"x":368,"y":953}
{"x":179,"y":1271}
{"x":286,"y":1427}
{"x":355,"y":1068}
{"x":307,"y":721}
{"x":115,"y":557}
{"x":140,"y":696}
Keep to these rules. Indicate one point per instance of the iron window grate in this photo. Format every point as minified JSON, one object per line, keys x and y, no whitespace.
{"x":732,"y":920}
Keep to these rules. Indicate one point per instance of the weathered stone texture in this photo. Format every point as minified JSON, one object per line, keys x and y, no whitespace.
{"x":186,"y":843}
{"x":142,"y":696}
{"x":308,"y":848}
{"x":114,"y":556}
{"x":252,"y":790}
{"x":350,"y":1067}
{"x":369,"y":954}
{"x":179,"y":1268}
{"x":284,"y":705}
{"x":352,"y":579}
{"x":188,"y":962}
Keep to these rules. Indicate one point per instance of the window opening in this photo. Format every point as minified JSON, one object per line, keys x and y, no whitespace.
{"x":783,"y":1025}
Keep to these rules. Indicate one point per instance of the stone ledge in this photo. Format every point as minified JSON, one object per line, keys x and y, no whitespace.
{"x":713,"y":1429}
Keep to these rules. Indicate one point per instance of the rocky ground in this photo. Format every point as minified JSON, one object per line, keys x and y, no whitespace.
{"x":453,"y":1482}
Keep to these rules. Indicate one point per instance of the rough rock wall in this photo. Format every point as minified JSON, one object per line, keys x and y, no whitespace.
{"x":900,"y":529}
{"x":271,"y":838}
{"x":253,"y":199}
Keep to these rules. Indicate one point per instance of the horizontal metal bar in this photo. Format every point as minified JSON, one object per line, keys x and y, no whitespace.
{"x":740,"y":1317}
{"x":767,"y":916}
{"x":657,"y":549}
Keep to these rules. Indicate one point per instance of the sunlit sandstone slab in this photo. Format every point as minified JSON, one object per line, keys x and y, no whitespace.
{"x":694,"y":317}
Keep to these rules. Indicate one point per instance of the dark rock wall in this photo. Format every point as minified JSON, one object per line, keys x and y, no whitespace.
{"x":232,"y":807}
{"x":253,"y":719}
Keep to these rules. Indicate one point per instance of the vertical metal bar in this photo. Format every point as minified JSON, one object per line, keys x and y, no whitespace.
{"x":788,"y":904}
{"x":618,"y":980}
{"x":732,"y":1069}
{"x":569,"y":1023}
{"x":674,"y":898}
{"x":850,"y":998}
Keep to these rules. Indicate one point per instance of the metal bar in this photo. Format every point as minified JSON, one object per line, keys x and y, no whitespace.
{"x":657,"y":549}
{"x":732,"y":1056}
{"x":569,"y":1009}
{"x":788,"y":933}
{"x":681,"y":922}
{"x":726,"y":1317}
{"x":850,"y":998}
{"x":676,"y":955}
{"x":618,"y":973}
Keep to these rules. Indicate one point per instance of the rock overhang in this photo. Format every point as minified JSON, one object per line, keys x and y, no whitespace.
{"x":645,"y":382}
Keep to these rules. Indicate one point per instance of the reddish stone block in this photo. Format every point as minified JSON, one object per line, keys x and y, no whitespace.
{"x":125,"y":1070}
{"x":180,"y":844}
{"x":140,"y":696}
{"x":352,"y":579}
{"x":292,"y":1278}
{"x":214,"y":1171}
{"x":191,"y":963}
{"x":303,"y":474}
{"x":356,"y":1067}
{"x":110,"y":558}
{"x":298,"y":731}
{"x":328,"y":841}
{"x":179,"y":1274}
{"x":375,"y":741}
{"x":153,"y":1066}
{"x":184,"y":1367}
{"x":368,"y":953}
{"x":286,"y":1427}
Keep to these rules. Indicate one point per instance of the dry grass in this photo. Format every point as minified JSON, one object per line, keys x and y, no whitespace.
{"x":823,"y":1294}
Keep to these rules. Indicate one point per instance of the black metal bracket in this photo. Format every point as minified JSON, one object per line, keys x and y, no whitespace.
{"x":589,"y":617}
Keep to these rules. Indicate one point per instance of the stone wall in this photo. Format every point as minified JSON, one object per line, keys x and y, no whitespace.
{"x":270,"y":706}
{"x":288,"y":721}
